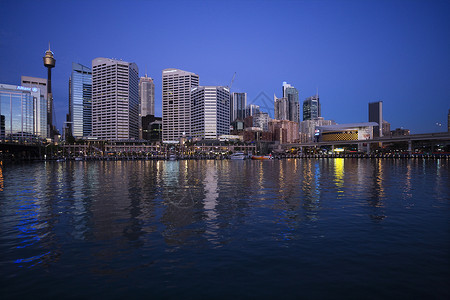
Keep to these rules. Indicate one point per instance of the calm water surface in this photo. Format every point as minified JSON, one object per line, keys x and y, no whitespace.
{"x":311,"y":228}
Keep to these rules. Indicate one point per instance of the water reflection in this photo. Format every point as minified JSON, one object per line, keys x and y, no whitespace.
{"x":377,"y":191}
{"x":210,"y":186}
{"x":1,"y":176}
{"x":339,"y":175}
{"x":311,"y":188}
{"x":99,"y":213}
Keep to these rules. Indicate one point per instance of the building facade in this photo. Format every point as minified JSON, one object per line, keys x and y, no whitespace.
{"x":261,"y":120}
{"x":291,"y":94}
{"x":400,"y":132}
{"x":386,"y":128}
{"x":281,"y":107}
{"x":176,"y":103}
{"x":311,"y":108}
{"x":308,"y":129}
{"x":284,"y":131}
{"x":151,"y":128}
{"x":80,"y":101}
{"x":210,"y":112}
{"x":115,"y":99}
{"x":252,"y":109}
{"x":40,"y":83}
{"x":376,"y":115}
{"x":238,"y":104}
{"x":346,"y":132}
{"x":146,"y":96}
{"x":23,"y":113}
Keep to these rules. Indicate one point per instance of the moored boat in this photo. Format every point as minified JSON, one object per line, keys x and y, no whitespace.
{"x":262,"y":157}
{"x":238,"y":156}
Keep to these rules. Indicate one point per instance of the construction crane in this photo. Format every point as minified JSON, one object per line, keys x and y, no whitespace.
{"x":232,"y":80}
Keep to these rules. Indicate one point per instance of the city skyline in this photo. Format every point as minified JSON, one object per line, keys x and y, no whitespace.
{"x":355,"y":53}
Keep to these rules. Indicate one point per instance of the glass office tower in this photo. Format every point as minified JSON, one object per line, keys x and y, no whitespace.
{"x":80,"y":100}
{"x":311,"y":108}
{"x":23,"y":114}
{"x":291,"y":94}
{"x":237,"y":106}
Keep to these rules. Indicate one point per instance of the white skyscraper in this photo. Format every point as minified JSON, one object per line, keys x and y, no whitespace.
{"x":210,"y":111}
{"x":176,"y":103}
{"x":115,"y":99}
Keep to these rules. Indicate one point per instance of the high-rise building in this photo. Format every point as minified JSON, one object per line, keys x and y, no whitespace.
{"x":281,"y":106}
{"x":147,"y":96}
{"x":238,"y":104}
{"x":261,"y":120}
{"x":386,"y":128}
{"x":80,"y":101}
{"x":210,"y":112}
{"x":40,"y":83}
{"x":23,"y":113}
{"x":311,"y":108}
{"x":448,"y":121}
{"x":291,"y":94}
{"x":251,"y":109}
{"x":376,"y":115}
{"x":176,"y":103}
{"x":115,"y":99}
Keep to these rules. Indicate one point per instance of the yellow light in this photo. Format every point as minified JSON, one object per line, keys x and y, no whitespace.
{"x":338,"y":150}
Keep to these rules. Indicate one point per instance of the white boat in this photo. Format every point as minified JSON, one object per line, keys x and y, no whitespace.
{"x":172,"y":157}
{"x":238,"y":156}
{"x":78,"y":158}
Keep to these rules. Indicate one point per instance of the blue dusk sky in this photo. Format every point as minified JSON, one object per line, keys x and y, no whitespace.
{"x":353,"y":52}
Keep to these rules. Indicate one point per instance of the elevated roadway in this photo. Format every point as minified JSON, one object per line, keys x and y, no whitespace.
{"x":435,"y":138}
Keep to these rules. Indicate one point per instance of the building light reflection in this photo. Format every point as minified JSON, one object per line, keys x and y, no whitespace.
{"x":339,"y":173}
{"x":1,"y":176}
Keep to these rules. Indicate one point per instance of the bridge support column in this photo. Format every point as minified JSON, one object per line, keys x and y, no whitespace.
{"x":368,"y":148}
{"x":409,"y":147}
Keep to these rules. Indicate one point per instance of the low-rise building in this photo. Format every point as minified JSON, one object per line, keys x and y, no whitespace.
{"x":400,"y":132}
{"x":284,"y":131}
{"x":346,"y":132}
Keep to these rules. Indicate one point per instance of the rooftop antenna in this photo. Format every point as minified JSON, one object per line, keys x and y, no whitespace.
{"x":145,"y":71}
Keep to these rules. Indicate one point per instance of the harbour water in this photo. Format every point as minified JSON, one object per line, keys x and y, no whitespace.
{"x":224,"y":229}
